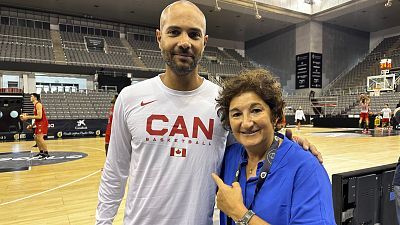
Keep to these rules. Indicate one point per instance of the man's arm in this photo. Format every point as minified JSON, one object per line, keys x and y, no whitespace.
{"x":116,"y":168}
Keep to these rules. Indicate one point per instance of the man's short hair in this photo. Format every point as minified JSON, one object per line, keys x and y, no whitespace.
{"x":37,"y":96}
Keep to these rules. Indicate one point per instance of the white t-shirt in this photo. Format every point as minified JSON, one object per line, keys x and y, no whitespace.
{"x":299,"y":115}
{"x":167,"y":143}
{"x":386,"y":112}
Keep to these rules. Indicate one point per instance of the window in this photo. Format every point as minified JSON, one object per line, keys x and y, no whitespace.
{"x":30,"y":23}
{"x":63,"y":27}
{"x":13,"y":22}
{"x":13,"y":84}
{"x":90,"y":31}
{"x":22,"y":22}
{"x":84,"y":30}
{"x":77,"y":29}
{"x":5,"y":20}
{"x":97,"y":31}
{"x":104,"y":33}
{"x":70,"y":28}
{"x":46,"y":25}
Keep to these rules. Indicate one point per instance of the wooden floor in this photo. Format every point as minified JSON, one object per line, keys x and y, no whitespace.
{"x":66,"y":193}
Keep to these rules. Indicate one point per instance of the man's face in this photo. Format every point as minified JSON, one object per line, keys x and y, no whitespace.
{"x":182,"y":38}
{"x":32,"y":98}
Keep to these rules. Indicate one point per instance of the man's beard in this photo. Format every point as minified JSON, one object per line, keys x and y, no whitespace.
{"x":179,"y":69}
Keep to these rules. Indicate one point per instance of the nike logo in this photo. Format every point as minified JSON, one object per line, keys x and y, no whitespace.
{"x":145,"y":103}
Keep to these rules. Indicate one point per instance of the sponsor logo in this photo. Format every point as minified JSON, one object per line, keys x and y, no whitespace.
{"x":14,"y":161}
{"x":80,"y":125}
{"x":51,"y":125}
{"x":145,"y":103}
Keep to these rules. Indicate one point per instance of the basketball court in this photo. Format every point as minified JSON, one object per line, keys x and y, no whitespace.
{"x":63,"y":189}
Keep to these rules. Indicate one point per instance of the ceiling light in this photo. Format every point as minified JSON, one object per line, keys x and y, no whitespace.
{"x":217,"y":8}
{"x":388,"y":3}
{"x":258,"y":16}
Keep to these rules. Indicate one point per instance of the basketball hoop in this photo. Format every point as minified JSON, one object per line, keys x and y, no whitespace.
{"x":376,"y":92}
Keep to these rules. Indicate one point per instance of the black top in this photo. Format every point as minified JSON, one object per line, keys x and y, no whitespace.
{"x":396,"y":179}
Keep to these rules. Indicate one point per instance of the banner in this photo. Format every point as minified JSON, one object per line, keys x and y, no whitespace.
{"x":316,"y":70}
{"x":63,"y":129}
{"x":94,"y":44}
{"x":303,"y":71}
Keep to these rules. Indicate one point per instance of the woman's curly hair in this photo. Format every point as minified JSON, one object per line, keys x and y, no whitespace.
{"x":259,"y":81}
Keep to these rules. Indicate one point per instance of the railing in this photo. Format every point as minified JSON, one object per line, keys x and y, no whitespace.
{"x":11,"y":90}
{"x":24,"y":40}
{"x":27,"y":59}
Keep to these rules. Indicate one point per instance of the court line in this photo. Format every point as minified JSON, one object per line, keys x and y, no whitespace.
{"x":52,"y":189}
{"x":99,"y":149}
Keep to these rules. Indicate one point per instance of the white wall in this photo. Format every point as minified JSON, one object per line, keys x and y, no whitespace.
{"x":377,"y":37}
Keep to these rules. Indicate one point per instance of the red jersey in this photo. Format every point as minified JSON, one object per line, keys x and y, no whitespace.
{"x":42,"y":124}
{"x":108,"y":129}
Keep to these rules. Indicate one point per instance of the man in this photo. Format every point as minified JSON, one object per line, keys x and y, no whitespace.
{"x":364,"y":114}
{"x":386,"y":114}
{"x":109,"y":124}
{"x":166,"y":135}
{"x":41,"y":123}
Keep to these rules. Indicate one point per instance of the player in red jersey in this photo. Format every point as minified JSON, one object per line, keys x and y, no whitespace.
{"x":41,"y":123}
{"x":108,"y":129}
{"x":364,"y":114}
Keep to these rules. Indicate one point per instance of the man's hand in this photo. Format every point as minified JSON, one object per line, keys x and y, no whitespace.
{"x":303,"y":142}
{"x":229,"y":199}
{"x":23,"y":117}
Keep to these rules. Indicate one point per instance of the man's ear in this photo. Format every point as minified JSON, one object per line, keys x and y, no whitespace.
{"x":158,"y":37}
{"x":205,"y":40}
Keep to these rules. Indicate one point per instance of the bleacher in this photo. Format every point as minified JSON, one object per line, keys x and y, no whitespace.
{"x":115,"y":54}
{"x":357,"y":76}
{"x":24,"y":44}
{"x":293,"y":102}
{"x":77,"y":105}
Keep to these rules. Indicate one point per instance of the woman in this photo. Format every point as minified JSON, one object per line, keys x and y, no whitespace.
{"x":273,"y":180}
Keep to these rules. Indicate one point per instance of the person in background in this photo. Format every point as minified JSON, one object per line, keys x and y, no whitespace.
{"x":41,"y":125}
{"x":386,"y":114}
{"x":266,"y":178}
{"x":299,"y":117}
{"x":109,"y":124}
{"x":364,"y":114}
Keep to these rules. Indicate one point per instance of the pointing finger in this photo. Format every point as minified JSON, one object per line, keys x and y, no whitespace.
{"x":218,"y":180}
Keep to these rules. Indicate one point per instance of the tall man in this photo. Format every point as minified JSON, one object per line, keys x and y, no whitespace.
{"x":41,"y":123}
{"x":166,"y":136}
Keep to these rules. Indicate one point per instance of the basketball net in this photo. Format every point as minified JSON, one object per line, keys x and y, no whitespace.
{"x":377,"y":91}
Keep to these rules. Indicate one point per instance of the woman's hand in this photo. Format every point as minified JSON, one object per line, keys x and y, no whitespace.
{"x":303,"y":142}
{"x":229,"y":199}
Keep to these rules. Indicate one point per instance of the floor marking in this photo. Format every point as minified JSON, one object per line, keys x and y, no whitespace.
{"x":43,"y":192}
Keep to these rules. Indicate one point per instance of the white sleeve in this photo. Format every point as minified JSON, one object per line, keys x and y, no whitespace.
{"x":304,"y":116}
{"x":116,"y":167}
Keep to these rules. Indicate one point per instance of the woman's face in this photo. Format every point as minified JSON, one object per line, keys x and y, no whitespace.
{"x":250,"y":121}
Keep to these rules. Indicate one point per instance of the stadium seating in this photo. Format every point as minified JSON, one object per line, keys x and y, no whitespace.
{"x":114,"y":56}
{"x":357,"y":76}
{"x":23,"y":44}
{"x":77,"y":105}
